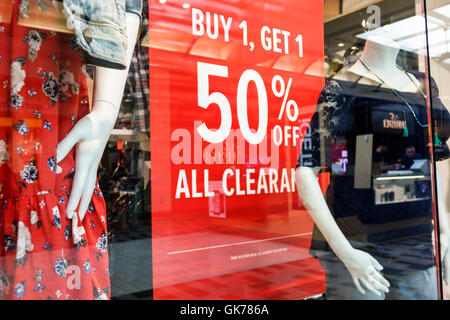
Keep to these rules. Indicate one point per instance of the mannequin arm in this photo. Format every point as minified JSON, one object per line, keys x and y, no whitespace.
{"x":91,"y":133}
{"x":361,"y":265}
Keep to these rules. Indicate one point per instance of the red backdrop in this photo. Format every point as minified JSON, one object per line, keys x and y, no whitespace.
{"x":239,"y":246}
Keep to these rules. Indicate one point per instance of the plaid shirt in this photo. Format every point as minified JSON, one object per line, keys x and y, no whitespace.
{"x":139,"y":71}
{"x":138,"y":88}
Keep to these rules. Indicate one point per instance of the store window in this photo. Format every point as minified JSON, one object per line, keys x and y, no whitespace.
{"x":224,"y":149}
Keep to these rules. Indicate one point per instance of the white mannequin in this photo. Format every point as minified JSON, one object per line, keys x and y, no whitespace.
{"x":91,"y":133}
{"x":381,"y":55}
{"x":361,"y":265}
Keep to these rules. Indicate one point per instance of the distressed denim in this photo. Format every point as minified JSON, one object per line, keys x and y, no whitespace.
{"x":409,"y":285}
{"x":100,"y":29}
{"x":134,"y":6}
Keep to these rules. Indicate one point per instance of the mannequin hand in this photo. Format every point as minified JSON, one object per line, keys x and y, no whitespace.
{"x":363,"y":267}
{"x":90,"y":135}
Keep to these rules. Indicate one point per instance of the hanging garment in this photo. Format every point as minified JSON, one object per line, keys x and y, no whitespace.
{"x":138,"y":88}
{"x":43,"y":91}
{"x":139,"y":71}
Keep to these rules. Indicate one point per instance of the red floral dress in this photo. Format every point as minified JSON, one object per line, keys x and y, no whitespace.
{"x":43,"y":92}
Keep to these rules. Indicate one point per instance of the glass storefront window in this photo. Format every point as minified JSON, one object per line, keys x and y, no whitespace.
{"x":438,"y":39}
{"x":364,"y":124}
{"x":224,"y":150}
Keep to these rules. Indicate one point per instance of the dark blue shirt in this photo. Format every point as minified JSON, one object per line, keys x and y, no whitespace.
{"x":398,"y":233}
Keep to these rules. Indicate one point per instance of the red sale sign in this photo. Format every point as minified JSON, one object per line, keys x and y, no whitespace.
{"x":232,"y":88}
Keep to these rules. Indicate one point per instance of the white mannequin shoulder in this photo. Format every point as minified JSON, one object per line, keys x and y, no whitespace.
{"x":377,"y":64}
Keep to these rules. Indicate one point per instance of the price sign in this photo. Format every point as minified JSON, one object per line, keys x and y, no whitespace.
{"x":233,"y":86}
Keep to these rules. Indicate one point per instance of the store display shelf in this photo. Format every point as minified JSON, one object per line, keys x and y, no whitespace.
{"x":400,"y":177}
{"x":126,"y":192}
{"x":403,"y":201}
{"x":121,"y":192}
{"x":6,"y":8}
{"x":348,"y":12}
{"x":128,"y":135}
{"x":51,"y":18}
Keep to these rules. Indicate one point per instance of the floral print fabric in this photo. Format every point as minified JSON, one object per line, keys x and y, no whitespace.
{"x":43,"y":92}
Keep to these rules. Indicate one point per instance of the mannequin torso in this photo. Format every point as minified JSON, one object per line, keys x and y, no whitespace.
{"x":378,"y":69}
{"x":380,"y":55}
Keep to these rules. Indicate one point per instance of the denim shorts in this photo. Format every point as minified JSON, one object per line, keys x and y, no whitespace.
{"x":134,"y":6}
{"x":100,"y":29}
{"x":409,"y":285}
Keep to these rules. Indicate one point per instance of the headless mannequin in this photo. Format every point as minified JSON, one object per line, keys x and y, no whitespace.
{"x":91,"y":133}
{"x":363,"y":268}
{"x":380,"y":54}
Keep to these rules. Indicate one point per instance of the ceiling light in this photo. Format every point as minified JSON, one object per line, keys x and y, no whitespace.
{"x":445,"y":10}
